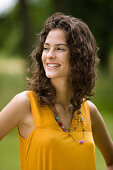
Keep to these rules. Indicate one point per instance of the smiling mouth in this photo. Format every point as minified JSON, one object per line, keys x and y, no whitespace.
{"x":53,"y":65}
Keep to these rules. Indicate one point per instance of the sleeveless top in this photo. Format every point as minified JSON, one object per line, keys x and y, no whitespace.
{"x":48,"y":147}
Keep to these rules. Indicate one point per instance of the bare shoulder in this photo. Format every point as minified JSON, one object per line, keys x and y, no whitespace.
{"x":18,"y":107}
{"x":97,"y":120}
{"x":94,"y":114}
{"x":14,"y":113}
{"x":21,"y":101}
{"x":92,"y":107}
{"x":22,"y":98}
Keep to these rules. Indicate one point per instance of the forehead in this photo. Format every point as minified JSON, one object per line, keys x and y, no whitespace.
{"x":56,"y":36}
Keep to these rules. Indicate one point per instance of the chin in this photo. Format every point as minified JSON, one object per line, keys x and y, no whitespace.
{"x":51,"y":75}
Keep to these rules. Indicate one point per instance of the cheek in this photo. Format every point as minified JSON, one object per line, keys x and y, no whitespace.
{"x":44,"y":61}
{"x":43,"y":58}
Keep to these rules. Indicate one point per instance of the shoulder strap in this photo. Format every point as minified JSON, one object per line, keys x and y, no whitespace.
{"x":34,"y":107}
{"x":86,"y":114}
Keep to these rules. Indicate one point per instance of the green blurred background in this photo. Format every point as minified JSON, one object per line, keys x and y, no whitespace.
{"x":20,"y":21}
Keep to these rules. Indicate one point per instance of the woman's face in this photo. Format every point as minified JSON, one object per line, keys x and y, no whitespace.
{"x":55,"y":55}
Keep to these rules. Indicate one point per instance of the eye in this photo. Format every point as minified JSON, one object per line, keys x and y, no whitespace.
{"x":61,"y":49}
{"x":45,"y":48}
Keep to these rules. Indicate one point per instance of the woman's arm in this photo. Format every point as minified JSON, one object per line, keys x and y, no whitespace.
{"x":14,"y":113}
{"x":101,"y":136}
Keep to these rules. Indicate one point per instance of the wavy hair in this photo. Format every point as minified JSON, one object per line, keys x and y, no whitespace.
{"x":83,"y":60}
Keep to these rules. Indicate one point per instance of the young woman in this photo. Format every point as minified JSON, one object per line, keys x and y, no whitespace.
{"x":58,"y":126}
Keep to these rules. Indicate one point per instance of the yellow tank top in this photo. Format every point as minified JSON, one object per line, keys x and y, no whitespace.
{"x":48,"y":147}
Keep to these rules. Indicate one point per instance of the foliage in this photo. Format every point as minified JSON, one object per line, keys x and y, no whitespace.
{"x":98,"y":15}
{"x":19,"y":28}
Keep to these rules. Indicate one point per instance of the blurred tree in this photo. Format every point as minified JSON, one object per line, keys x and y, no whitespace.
{"x":18,"y":28}
{"x":26,"y":40}
{"x":98,"y":14}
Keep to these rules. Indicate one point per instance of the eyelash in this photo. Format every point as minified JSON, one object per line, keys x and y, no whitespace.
{"x":60,"y":49}
{"x":45,"y":48}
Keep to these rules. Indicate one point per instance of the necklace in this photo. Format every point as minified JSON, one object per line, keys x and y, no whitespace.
{"x":80,"y":120}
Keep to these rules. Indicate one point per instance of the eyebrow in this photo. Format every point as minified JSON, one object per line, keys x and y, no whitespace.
{"x":57,"y":44}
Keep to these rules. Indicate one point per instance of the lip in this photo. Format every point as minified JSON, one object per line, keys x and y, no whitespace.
{"x":53,"y":63}
{"x":54,"y":66}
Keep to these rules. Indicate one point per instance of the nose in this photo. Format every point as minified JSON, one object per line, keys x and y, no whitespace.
{"x":51,"y":54}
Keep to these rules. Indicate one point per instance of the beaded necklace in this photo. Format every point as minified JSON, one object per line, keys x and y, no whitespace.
{"x":80,"y":120}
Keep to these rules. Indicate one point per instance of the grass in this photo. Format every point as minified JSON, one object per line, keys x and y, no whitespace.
{"x":104,"y":92}
{"x":12,"y":81}
{"x":108,"y":118}
{"x":10,"y":85}
{"x":103,"y":99}
{"x":9,"y":152}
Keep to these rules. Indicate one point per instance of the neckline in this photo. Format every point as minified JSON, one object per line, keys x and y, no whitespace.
{"x":72,"y":121}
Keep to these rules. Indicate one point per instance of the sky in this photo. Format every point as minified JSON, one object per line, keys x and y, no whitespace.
{"x":6,"y":5}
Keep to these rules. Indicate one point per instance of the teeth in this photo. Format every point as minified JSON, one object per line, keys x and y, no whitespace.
{"x":53,"y":65}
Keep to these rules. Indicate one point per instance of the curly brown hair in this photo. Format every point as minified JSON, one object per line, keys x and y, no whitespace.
{"x":83,"y":59}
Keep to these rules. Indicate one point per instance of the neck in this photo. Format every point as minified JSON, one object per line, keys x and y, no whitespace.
{"x":64,"y":91}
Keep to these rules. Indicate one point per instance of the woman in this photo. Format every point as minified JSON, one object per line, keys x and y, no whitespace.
{"x":57,"y":125}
